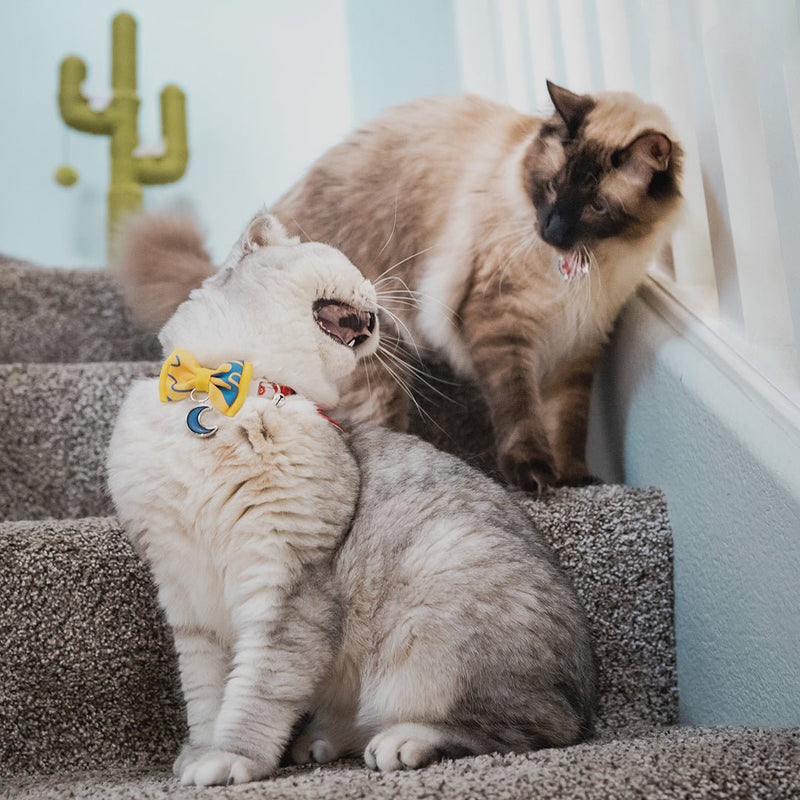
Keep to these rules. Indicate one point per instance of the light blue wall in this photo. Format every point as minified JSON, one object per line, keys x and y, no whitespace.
{"x":270,"y":85}
{"x":268,"y":88}
{"x":667,"y":413}
{"x":400,"y":51}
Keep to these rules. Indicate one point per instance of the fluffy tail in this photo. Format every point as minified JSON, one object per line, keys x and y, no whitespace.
{"x":160,"y":260}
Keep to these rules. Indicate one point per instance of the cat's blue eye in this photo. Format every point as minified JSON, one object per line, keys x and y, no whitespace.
{"x":599,"y":207}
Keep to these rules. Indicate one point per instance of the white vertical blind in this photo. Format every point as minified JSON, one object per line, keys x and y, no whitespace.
{"x":480,"y":48}
{"x":614,"y":38}
{"x":575,"y":45}
{"x":733,"y":71}
{"x":538,"y":32}
{"x":516,"y":69}
{"x":728,"y":73}
{"x":672,"y":83}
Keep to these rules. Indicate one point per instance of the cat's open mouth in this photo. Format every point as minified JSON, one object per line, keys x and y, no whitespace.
{"x":573,"y":265}
{"x":344,"y":323}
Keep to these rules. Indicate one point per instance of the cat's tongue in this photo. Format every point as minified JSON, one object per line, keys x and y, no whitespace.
{"x":571,"y":266}
{"x":343,"y":322}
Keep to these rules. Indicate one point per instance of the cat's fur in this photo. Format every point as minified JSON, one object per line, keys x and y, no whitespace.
{"x":397,"y":601}
{"x":470,"y":205}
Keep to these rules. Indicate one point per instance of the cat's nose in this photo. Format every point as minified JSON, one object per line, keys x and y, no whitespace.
{"x":559,"y":231}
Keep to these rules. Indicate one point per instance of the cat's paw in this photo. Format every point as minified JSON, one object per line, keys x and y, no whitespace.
{"x":409,"y":746}
{"x":585,"y":479}
{"x":222,"y":768}
{"x":309,"y":749}
{"x":189,"y":752}
{"x":532,"y":474}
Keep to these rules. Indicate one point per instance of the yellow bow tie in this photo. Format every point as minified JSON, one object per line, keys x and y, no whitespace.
{"x":226,"y":386}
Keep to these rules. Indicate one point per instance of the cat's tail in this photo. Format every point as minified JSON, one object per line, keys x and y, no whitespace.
{"x":159,"y":260}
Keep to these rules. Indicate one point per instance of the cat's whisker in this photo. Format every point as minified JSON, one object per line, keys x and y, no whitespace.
{"x":396,"y":295}
{"x":582,"y":297}
{"x":400,"y":342}
{"x":519,"y":230}
{"x":526,"y":251}
{"x":422,"y":375}
{"x":387,"y":278}
{"x":413,"y":296}
{"x":403,"y":261}
{"x":405,"y":288}
{"x":595,"y":268}
{"x":402,"y":302}
{"x":368,"y":364}
{"x":302,"y":230}
{"x":407,"y":390}
{"x":394,"y":224}
{"x":398,"y":356}
{"x":398,"y":377}
{"x":499,"y":241}
{"x":399,"y":322}
{"x":413,"y":304}
{"x":595,"y":279}
{"x":525,"y":242}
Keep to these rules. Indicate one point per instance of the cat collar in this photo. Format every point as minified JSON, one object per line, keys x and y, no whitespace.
{"x":278,"y":392}
{"x":225,"y":388}
{"x":182,"y":376}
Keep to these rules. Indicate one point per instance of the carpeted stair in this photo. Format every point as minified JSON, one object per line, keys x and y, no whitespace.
{"x":89,"y":697}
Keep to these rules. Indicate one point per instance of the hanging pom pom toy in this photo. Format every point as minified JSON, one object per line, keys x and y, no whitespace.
{"x":66,"y":176}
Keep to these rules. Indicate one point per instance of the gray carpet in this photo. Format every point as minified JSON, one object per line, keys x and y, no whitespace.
{"x":673,"y":763}
{"x":89,"y":699}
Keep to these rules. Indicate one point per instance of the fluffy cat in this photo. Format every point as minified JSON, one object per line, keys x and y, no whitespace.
{"x":396,"y":601}
{"x":507,"y":243}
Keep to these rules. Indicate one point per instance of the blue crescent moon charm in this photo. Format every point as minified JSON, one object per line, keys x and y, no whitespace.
{"x":195,"y":426}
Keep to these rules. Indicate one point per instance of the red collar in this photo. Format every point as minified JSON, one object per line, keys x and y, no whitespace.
{"x":279,"y":392}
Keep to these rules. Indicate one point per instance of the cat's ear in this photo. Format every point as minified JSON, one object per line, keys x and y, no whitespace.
{"x":266,"y":229}
{"x":263,"y":230}
{"x":648,"y":154}
{"x":571,"y":107}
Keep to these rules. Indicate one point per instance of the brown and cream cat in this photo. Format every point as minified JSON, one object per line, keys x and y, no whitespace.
{"x":505,"y":242}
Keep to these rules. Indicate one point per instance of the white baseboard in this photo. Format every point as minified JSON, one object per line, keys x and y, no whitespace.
{"x":767,"y":375}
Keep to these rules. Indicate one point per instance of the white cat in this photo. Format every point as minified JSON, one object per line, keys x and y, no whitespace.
{"x":397,"y":601}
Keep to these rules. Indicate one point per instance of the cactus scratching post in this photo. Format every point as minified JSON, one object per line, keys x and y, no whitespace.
{"x":119,"y":121}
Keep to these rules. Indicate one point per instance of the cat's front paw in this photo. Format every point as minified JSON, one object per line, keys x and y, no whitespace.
{"x":189,"y":753}
{"x":310,"y":750}
{"x":577,"y":481}
{"x":222,"y":768}
{"x":532,"y":473}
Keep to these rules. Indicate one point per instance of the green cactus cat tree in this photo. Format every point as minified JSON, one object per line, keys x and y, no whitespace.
{"x":129,"y":172}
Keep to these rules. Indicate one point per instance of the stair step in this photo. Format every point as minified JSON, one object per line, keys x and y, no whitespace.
{"x":87,"y":668}
{"x":88,"y":679}
{"x":66,"y":315}
{"x":58,"y":419}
